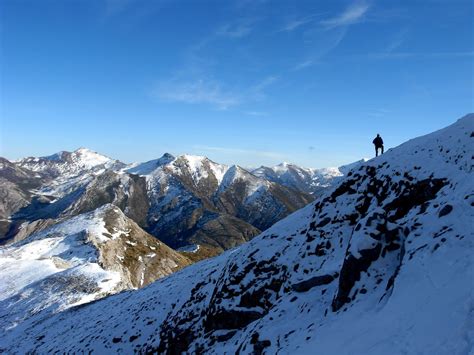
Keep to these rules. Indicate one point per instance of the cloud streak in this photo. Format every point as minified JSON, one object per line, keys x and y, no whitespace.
{"x":257,"y":91}
{"x":197,"y":92}
{"x":333,"y":40}
{"x":352,"y":14}
{"x":256,"y":113}
{"x":237,"y":29}
{"x":297,"y":23}
{"x":211,"y":92}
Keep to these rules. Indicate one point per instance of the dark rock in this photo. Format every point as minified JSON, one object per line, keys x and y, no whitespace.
{"x":445,"y":210}
{"x":313,"y":282}
{"x":230,"y":319}
{"x":350,"y":274}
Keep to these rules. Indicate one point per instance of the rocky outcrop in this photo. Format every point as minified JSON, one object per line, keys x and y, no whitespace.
{"x":139,"y":257}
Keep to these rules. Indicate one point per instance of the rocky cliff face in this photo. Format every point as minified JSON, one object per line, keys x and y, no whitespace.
{"x":378,"y":264}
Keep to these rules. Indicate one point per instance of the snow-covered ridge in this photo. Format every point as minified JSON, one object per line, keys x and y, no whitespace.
{"x":198,"y":167}
{"x":67,"y":164}
{"x":254,"y":184}
{"x":310,"y":180}
{"x":379,"y":264}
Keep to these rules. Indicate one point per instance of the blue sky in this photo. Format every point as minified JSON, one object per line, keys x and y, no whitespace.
{"x":247,"y":82}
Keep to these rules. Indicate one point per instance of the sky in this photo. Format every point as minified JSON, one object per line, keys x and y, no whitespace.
{"x":248,"y":82}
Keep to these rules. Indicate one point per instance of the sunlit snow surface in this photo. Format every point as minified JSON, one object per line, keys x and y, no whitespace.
{"x":416,"y":298}
{"x":54,"y":269}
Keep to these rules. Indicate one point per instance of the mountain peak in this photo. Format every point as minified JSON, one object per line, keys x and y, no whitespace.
{"x":69,"y":163}
{"x":283,"y":164}
{"x":148,"y":167}
{"x":84,"y":150}
{"x":167,"y":156}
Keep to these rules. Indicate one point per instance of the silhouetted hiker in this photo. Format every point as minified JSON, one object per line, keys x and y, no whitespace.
{"x":378,"y":142}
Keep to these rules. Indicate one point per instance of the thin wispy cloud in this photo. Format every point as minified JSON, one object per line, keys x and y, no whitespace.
{"x":397,"y":40}
{"x":256,"y":113}
{"x":337,"y":26}
{"x":200,"y":65}
{"x":353,"y":14}
{"x":293,"y":25}
{"x":237,"y":29}
{"x":211,"y":92}
{"x":333,"y":39}
{"x":114,"y":7}
{"x":296,"y":23}
{"x":197,"y":92}
{"x":257,"y":92}
{"x":305,"y":64}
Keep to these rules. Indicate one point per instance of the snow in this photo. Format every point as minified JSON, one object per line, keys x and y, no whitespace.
{"x":149,"y":166}
{"x":218,"y":170}
{"x":301,"y":178}
{"x":87,"y":158}
{"x":192,"y":248}
{"x":196,"y":166}
{"x":60,"y":258}
{"x":344,"y":169}
{"x":427,"y":308}
{"x":254,"y":186}
{"x":70,"y":165}
{"x":199,"y":167}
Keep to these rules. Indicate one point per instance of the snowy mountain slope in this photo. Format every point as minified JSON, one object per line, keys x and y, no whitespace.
{"x":381,"y":263}
{"x":16,"y":184}
{"x":34,"y":188}
{"x":304,"y":179}
{"x":69,"y":163}
{"x":89,"y":191}
{"x":257,"y":201}
{"x":194,"y":200}
{"x":77,"y":261}
{"x":344,"y":169}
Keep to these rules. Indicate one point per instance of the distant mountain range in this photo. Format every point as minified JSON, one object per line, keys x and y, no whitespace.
{"x":312,"y":181}
{"x":188,"y":202}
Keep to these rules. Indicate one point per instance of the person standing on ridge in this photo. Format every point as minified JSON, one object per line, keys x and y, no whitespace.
{"x":378,"y":142}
